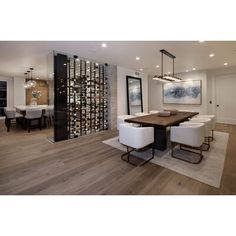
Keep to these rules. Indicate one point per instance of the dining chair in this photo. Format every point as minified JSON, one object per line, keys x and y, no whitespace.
{"x":48,"y":116}
{"x":154,"y":112}
{"x":189,"y":137}
{"x":121,"y":119}
{"x":10,"y":116}
{"x":136,"y":138}
{"x":208,"y":127}
{"x":212,"y":117}
{"x":141,"y":114}
{"x":33,"y":118}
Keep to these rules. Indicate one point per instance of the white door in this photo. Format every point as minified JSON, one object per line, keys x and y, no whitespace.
{"x":226,"y":99}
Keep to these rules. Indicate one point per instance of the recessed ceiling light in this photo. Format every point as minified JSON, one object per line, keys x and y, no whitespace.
{"x":169,"y":72}
{"x":64,"y":64}
{"x":77,"y":59}
{"x":194,"y":68}
{"x":157,"y":66}
{"x":226,"y":63}
{"x":212,"y":55}
{"x":141,"y":69}
{"x":137,"y":58}
{"x":104,"y":45}
{"x":88,"y":61}
{"x":186,"y":70}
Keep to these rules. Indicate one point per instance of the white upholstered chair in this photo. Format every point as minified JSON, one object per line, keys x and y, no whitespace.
{"x":207,"y":125}
{"x":190,"y":136}
{"x":212,"y":117}
{"x":141,"y":114}
{"x":135,"y":138}
{"x":154,"y":112}
{"x":33,"y":115}
{"x":48,"y":115}
{"x":121,"y":119}
{"x":10,"y":115}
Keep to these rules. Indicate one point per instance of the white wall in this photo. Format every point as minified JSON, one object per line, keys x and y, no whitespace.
{"x":10,"y":90}
{"x":15,"y":90}
{"x":19,"y":91}
{"x":208,"y":91}
{"x":122,"y":92}
{"x":156,"y":96}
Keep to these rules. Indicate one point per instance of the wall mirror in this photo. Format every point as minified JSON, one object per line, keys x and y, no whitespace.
{"x":134,"y":95}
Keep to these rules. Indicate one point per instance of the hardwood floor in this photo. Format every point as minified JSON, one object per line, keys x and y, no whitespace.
{"x":30,"y":164}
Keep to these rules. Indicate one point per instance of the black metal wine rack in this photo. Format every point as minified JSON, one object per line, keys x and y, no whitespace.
{"x":87,"y":97}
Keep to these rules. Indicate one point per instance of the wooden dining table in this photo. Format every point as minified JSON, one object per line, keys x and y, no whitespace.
{"x":160,"y":125}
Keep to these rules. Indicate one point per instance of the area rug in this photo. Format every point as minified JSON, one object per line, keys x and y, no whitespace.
{"x":209,"y":171}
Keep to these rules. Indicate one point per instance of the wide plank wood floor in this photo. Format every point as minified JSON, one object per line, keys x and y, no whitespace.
{"x":30,"y":164}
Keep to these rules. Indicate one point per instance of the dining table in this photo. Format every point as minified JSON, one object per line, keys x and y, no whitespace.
{"x":22,"y":108}
{"x":160,"y":125}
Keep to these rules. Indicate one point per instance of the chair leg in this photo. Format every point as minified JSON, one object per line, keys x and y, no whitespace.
{"x":8,"y":124}
{"x":28,"y":125}
{"x":40,"y":123}
{"x":133,"y":149}
{"x":181,"y":148}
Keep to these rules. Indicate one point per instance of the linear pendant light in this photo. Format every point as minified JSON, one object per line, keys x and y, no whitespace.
{"x":166,"y":77}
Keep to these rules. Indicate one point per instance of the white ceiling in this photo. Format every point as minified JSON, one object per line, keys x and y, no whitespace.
{"x":17,"y":57}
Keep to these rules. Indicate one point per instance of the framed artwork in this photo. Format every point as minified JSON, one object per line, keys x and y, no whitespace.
{"x":184,"y":92}
{"x":134,"y":95}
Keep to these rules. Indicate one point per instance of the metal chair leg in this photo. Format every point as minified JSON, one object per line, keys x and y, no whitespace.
{"x":181,"y":148}
{"x":133,"y":149}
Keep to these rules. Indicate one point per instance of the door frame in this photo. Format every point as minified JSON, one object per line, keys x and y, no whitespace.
{"x":214,"y":93}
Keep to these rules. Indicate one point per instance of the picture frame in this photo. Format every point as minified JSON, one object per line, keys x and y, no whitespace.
{"x":134,"y":95}
{"x":187,"y":92}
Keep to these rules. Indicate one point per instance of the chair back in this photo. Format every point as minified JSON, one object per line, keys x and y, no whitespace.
{"x":191,"y":134}
{"x":9,"y":112}
{"x":121,"y":119}
{"x":136,"y":137}
{"x":154,"y":112}
{"x":49,"y":112}
{"x":33,"y":113}
{"x":141,"y":114}
{"x":207,"y":122}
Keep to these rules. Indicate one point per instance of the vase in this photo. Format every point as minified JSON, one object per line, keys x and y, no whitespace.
{"x":33,"y":102}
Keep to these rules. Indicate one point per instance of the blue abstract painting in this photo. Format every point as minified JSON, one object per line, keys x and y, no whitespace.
{"x":184,"y":92}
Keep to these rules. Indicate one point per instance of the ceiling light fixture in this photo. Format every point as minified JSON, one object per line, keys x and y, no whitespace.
{"x":167,"y":77}
{"x":194,"y":68}
{"x":104,"y":45}
{"x":29,"y":81}
{"x":137,"y":58}
{"x":186,"y":70}
{"x":141,"y":69}
{"x":157,"y":66}
{"x":212,"y":55}
{"x":226,"y":63}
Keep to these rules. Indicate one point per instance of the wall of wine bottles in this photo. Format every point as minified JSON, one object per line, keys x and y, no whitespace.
{"x":87,"y":97}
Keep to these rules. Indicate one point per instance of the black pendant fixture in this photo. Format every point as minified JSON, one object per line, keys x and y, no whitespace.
{"x":167,"y":77}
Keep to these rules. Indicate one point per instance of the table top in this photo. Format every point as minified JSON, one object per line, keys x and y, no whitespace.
{"x":162,"y":122}
{"x":24,"y":108}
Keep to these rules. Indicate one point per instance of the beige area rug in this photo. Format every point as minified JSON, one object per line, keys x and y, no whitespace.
{"x":209,"y":171}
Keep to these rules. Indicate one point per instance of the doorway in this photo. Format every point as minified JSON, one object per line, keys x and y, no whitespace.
{"x":225,"y":88}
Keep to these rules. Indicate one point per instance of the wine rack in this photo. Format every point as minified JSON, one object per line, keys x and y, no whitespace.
{"x":87,"y":97}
